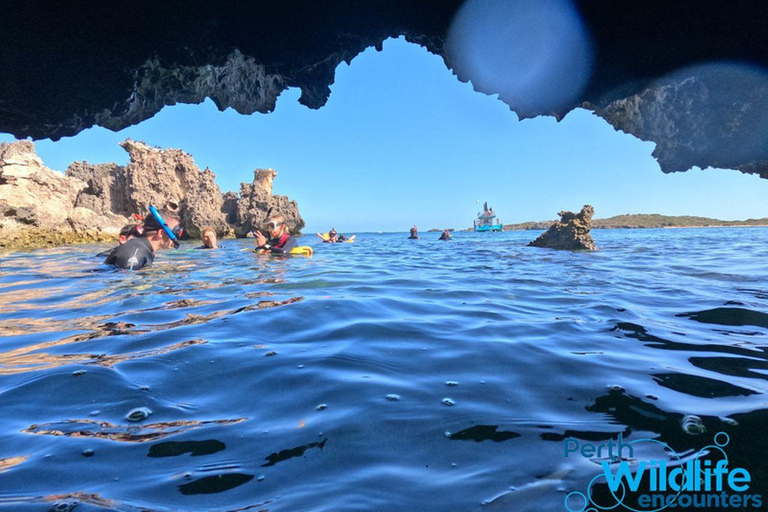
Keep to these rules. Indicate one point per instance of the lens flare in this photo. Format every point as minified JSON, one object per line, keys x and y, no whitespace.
{"x":536,"y":54}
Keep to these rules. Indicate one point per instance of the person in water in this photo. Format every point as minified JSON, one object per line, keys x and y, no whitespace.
{"x":127,"y":232}
{"x":140,"y":251}
{"x":414,"y":233}
{"x":210,"y":240}
{"x":280,"y":239}
{"x":445,"y":236}
{"x":333,"y":237}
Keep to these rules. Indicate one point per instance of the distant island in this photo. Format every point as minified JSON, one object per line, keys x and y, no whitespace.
{"x":642,"y":220}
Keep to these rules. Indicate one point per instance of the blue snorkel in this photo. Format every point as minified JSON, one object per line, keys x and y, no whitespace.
{"x":168,"y":231}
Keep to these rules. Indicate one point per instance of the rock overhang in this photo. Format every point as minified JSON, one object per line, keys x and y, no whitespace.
{"x":689,"y":76}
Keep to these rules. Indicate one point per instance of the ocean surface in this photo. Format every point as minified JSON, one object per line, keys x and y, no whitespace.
{"x":384,"y":375}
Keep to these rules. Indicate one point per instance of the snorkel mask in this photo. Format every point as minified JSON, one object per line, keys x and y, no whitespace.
{"x":174,"y":233}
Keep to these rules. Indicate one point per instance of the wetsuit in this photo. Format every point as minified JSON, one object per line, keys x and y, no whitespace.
{"x":280,"y":245}
{"x":104,"y":254}
{"x":132,"y":255}
{"x":412,"y":237}
{"x":445,"y":236}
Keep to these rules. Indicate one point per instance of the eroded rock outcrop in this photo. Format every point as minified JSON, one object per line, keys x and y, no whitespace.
{"x":38,"y":205}
{"x":571,"y":232}
{"x":169,"y":178}
{"x":92,"y":202}
{"x":256,"y":203}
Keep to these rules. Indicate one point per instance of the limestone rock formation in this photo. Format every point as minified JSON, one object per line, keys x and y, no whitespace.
{"x":571,"y":232}
{"x":106,"y":191}
{"x":169,"y":179}
{"x":244,"y":56}
{"x":257,"y":203}
{"x":38,"y":205}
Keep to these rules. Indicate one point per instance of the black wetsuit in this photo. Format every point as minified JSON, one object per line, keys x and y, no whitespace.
{"x":280,"y":245}
{"x":413,"y":237}
{"x":132,"y":255}
{"x":445,"y":236}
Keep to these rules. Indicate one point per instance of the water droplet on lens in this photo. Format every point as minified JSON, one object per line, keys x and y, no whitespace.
{"x":451,"y":383}
{"x":78,"y":373}
{"x":693,"y":425}
{"x":393,"y":397}
{"x":88,"y":453}
{"x":300,"y":366}
{"x":448,"y":402}
{"x":138,"y":414}
{"x":321,"y":407}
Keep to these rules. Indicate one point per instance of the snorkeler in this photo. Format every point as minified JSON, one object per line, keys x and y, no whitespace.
{"x":127,"y":232}
{"x":445,"y":236}
{"x":280,"y":241}
{"x":414,"y":233}
{"x":210,"y":240}
{"x":160,"y":232}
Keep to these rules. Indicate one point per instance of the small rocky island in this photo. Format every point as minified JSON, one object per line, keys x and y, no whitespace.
{"x":571,"y":232}
{"x":91,"y":202}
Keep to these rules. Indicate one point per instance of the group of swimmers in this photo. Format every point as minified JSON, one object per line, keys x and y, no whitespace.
{"x":333,"y":237}
{"x":444,"y":236}
{"x":138,"y":243}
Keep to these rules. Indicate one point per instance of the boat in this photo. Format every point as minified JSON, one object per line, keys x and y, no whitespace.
{"x":486,"y":220}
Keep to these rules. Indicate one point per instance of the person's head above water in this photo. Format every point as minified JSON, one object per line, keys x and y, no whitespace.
{"x":155,"y":233}
{"x":414,"y":231}
{"x":127,"y":232}
{"x":209,"y":238}
{"x":276,"y":226}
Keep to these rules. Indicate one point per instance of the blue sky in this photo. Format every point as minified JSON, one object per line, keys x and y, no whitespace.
{"x":402,"y":142}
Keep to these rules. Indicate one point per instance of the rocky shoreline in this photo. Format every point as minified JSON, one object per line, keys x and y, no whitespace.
{"x":41,"y":207}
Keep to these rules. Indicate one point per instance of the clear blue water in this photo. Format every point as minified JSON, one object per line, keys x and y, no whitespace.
{"x":325,"y":384}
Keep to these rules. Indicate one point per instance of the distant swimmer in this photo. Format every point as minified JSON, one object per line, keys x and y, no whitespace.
{"x":445,"y":236}
{"x":210,"y":241}
{"x":280,"y":241}
{"x":414,"y":233}
{"x":333,"y":237}
{"x":160,"y":231}
{"x":127,"y":232}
